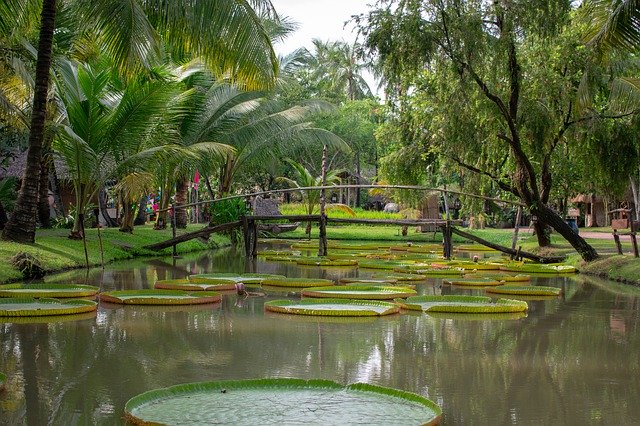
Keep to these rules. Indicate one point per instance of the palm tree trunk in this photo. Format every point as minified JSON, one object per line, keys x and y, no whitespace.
{"x":22,"y":225}
{"x":44,"y":211}
{"x":102,"y":205}
{"x":141,"y":216}
{"x":182,"y":187}
{"x":128,"y":215}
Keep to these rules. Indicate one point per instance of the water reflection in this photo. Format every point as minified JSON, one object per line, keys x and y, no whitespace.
{"x":571,"y":360}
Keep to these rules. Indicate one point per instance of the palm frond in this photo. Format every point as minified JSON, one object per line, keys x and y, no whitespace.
{"x":625,"y":94}
{"x":612,"y":24}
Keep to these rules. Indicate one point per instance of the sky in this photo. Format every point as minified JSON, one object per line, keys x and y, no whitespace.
{"x":322,"y":19}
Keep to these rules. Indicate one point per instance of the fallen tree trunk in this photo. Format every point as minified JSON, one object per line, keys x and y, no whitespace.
{"x":507,"y":250}
{"x":205,"y":232}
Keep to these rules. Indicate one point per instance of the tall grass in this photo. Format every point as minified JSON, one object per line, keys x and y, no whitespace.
{"x":298,"y":209}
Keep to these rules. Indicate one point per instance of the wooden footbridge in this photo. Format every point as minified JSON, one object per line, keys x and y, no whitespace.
{"x":249,"y":224}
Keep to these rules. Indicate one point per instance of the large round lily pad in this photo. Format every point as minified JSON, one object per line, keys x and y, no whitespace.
{"x":280,"y":401}
{"x":384,"y":264}
{"x":48,"y":290}
{"x":499,"y":277}
{"x":297,"y":282}
{"x":463,"y":304}
{"x":529,"y":290}
{"x":536,"y":268}
{"x":436,"y":272}
{"x":50,"y":319}
{"x":188,"y":285}
{"x":359,"y":292}
{"x":160,"y":297}
{"x":471,"y":281}
{"x":318,"y":261}
{"x":333,"y":307}
{"x":30,"y":307}
{"x":400,"y":276}
{"x":225,"y":278}
{"x":370,"y":281}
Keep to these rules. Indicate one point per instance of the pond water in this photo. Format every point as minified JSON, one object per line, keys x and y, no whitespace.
{"x":571,"y":360}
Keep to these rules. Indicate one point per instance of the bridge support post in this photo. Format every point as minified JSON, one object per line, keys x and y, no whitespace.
{"x":246,"y":238}
{"x":447,"y":241}
{"x":322,"y":249}
{"x":253,"y":237}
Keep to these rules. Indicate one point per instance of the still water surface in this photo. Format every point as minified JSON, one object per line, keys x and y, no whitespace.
{"x":572,"y":360}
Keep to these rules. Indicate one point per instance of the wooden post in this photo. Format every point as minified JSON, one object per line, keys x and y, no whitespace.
{"x":173,"y":227}
{"x":616,"y":238}
{"x":634,"y":243}
{"x":447,"y":241}
{"x":322,"y":244}
{"x":245,"y":236}
{"x":516,"y":228}
{"x":253,"y":227}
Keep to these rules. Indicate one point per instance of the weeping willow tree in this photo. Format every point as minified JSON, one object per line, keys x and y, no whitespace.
{"x":481,"y":96}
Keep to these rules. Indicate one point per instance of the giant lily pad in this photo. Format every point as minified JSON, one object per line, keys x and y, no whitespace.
{"x":384,"y":264}
{"x":297,"y":282}
{"x":370,"y":281}
{"x":537,"y":268}
{"x":48,"y":290}
{"x":471,"y":281}
{"x":529,"y":290}
{"x":50,"y":319}
{"x":499,"y":277}
{"x":359,"y":292}
{"x":436,"y":272}
{"x":400,"y":276}
{"x":332,"y":307}
{"x":280,"y":401}
{"x":226,"y":278}
{"x":30,"y":307}
{"x":318,"y":261}
{"x":160,"y":297}
{"x":188,"y":285}
{"x":462,"y":304}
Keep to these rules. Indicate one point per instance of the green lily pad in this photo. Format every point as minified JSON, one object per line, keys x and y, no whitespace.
{"x":537,"y":268}
{"x":225,"y":278}
{"x":499,"y":277}
{"x":282,"y":258}
{"x":280,"y":401}
{"x":332,"y":307}
{"x":383,"y":264}
{"x":372,"y":281}
{"x":400,"y":276}
{"x":297,"y":282}
{"x":529,"y":290}
{"x":471,"y":281}
{"x":359,"y":292}
{"x":160,"y":297}
{"x":30,"y":307}
{"x":50,"y":319}
{"x":188,"y":285}
{"x":437,"y":272}
{"x":463,"y":304}
{"x":48,"y":290}
{"x":318,"y":261}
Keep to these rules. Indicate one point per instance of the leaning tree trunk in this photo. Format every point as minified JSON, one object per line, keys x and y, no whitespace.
{"x":546,"y":216}
{"x":22,"y":225}
{"x":182,"y":187}
{"x":357,"y":179}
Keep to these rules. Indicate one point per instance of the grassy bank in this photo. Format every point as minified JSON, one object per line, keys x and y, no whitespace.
{"x":622,"y":268}
{"x":55,"y":252}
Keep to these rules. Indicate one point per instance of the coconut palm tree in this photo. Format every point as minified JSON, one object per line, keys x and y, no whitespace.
{"x":337,"y":70}
{"x":105,"y":129}
{"x":311,"y":198}
{"x":228,"y":34}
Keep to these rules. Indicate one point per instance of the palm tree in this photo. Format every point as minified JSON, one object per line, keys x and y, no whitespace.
{"x":337,"y":70}
{"x":105,"y":130}
{"x":612,"y":24}
{"x":228,"y":34}
{"x":311,"y":198}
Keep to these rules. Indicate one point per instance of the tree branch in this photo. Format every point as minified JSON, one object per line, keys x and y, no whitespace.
{"x":501,"y":184}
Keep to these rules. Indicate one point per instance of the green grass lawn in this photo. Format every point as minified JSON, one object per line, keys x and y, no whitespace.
{"x":55,"y":252}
